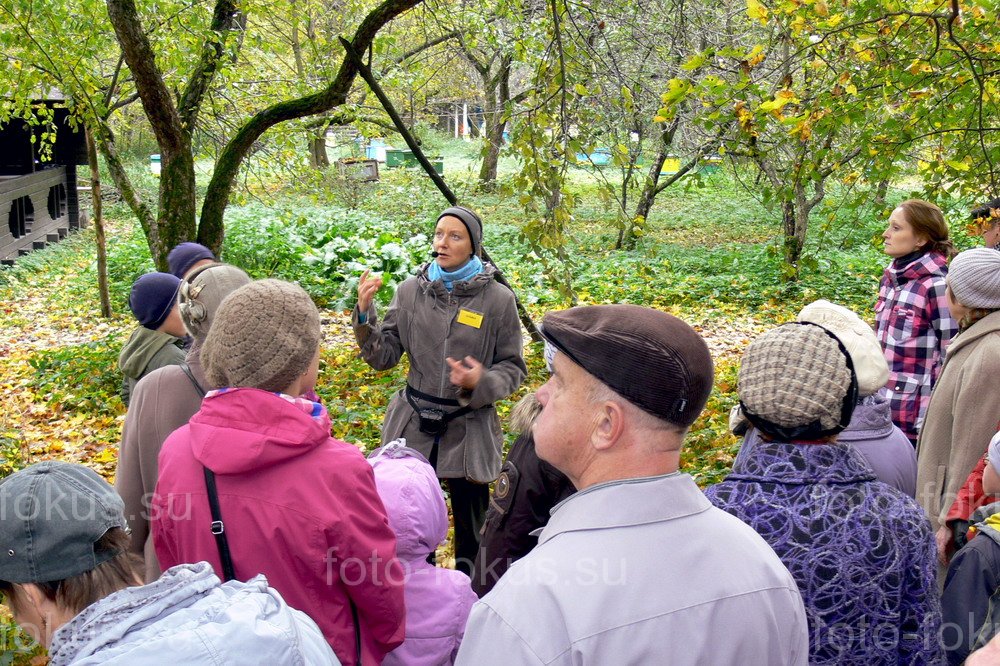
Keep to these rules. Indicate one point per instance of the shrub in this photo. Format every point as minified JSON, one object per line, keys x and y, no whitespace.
{"x":323,"y":249}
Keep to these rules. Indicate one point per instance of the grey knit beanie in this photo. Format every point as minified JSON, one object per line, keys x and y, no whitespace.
{"x":974,"y":278}
{"x":265,"y":336}
{"x":473,"y":224}
{"x":796,"y":377}
{"x":203,"y":291}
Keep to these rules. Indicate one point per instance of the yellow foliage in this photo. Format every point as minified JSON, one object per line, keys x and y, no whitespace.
{"x":781,"y":98}
{"x":757,"y":11}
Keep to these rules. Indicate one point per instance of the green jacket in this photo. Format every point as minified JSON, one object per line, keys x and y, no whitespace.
{"x":144,"y":352}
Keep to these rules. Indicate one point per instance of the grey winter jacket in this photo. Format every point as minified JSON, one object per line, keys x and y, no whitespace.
{"x":424,"y":320}
{"x":145,"y":351}
{"x":189,"y":617}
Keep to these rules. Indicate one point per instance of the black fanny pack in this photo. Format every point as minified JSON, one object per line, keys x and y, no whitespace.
{"x":434,"y":421}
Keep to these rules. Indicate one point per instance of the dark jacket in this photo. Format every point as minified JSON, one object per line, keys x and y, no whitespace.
{"x":971,"y":604}
{"x":522,"y":498}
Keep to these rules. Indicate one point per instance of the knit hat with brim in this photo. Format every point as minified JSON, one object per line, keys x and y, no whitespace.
{"x":202,"y":292}
{"x":974,"y":278}
{"x":796,"y":382}
{"x":265,"y":335}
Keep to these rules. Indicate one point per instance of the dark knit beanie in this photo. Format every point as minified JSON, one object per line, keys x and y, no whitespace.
{"x":265,"y":336}
{"x":652,"y":359}
{"x":186,"y":255}
{"x":153,"y":296}
{"x":797,"y":382}
{"x":472,"y":223}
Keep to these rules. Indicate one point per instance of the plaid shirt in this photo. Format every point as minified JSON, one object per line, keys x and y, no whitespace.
{"x":914,"y":326}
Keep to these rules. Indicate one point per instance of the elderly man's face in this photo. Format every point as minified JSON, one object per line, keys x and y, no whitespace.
{"x":562,"y":431}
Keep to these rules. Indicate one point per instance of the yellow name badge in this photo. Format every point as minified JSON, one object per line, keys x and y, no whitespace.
{"x":470,"y":318}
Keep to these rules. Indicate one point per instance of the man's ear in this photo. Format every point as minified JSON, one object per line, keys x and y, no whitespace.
{"x":610,"y":424}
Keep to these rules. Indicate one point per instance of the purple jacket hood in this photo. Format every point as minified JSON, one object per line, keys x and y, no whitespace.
{"x":413,"y":500}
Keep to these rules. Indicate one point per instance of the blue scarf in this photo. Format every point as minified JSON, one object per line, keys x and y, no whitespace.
{"x":471,"y":268}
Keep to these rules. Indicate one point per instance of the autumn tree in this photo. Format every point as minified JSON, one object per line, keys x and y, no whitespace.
{"x":175,"y":117}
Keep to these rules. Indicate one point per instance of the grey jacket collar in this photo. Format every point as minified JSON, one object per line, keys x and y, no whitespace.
{"x":640,"y":501}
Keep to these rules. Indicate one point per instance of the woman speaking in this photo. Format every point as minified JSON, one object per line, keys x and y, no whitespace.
{"x":460,"y":330}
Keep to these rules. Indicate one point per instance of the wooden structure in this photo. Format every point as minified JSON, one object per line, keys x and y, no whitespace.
{"x":38,"y":200}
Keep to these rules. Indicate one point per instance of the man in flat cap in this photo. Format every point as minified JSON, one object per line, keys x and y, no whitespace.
{"x":637,"y":567}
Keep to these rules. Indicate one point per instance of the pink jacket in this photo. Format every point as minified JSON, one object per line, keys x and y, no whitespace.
{"x":438,"y":600}
{"x":299,"y":507}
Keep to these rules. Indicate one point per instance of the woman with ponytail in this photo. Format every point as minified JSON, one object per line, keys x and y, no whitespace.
{"x":913,"y":323}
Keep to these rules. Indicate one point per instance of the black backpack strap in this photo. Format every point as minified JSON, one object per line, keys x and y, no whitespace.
{"x":218,"y":527}
{"x":197,"y":387}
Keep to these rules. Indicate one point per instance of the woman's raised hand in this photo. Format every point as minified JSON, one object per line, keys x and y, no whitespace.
{"x":465,"y":373}
{"x":366,"y":290}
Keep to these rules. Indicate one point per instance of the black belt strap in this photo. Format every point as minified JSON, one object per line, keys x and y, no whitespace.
{"x":218,"y":527}
{"x":447,"y":402}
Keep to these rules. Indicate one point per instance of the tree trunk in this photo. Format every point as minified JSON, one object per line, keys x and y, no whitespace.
{"x":792,"y":250}
{"x":880,"y":191}
{"x":318,"y":158}
{"x":102,"y":253}
{"x":106,"y":145}
{"x":210,"y":229}
{"x":497,"y":98}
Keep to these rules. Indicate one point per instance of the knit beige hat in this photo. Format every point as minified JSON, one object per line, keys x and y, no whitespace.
{"x":265,"y":336}
{"x":202,"y":292}
{"x":796,"y":377}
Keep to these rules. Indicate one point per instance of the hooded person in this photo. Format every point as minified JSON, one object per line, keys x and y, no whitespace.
{"x":861,"y":552}
{"x":460,"y":330}
{"x":871,"y":430}
{"x":258,"y":461}
{"x":437,"y":600}
{"x":157,"y":341}
{"x":164,"y":400}
{"x":69,"y":581}
{"x":523,"y":496}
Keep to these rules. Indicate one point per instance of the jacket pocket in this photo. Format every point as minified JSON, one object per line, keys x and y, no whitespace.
{"x":903,"y":324}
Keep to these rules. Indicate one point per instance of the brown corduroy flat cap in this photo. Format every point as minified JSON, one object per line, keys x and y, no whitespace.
{"x":651,"y":358}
